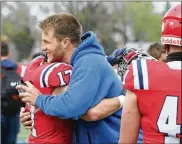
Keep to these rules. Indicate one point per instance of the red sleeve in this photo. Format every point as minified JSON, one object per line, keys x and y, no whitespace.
{"x":60,"y":76}
{"x":55,"y":75}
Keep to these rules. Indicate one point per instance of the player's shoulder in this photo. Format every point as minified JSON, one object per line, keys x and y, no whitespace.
{"x":37,"y":60}
{"x":53,"y":68}
{"x":55,"y":74}
{"x":34,"y":64}
{"x":137,"y":76}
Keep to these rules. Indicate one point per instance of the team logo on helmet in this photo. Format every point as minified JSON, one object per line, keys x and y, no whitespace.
{"x":171,"y":41}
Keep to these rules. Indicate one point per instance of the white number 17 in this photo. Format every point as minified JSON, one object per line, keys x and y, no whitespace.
{"x":61,"y":77}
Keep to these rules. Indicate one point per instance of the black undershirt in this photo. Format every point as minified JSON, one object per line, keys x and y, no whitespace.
{"x":176,"y":56}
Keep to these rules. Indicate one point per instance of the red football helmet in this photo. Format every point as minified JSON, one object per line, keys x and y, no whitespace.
{"x":171,"y":27}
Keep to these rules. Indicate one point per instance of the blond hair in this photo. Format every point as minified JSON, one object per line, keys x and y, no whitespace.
{"x":64,"y":25}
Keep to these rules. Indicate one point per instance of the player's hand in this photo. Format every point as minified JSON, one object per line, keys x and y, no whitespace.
{"x":113,"y":57}
{"x":30,"y":93}
{"x":25,"y":119}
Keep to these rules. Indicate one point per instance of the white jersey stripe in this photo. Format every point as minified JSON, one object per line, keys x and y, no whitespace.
{"x":23,"y":68}
{"x":42,"y":74}
{"x":36,"y":58}
{"x":145,"y":74}
{"x":48,"y":72}
{"x":175,"y":65}
{"x":135,"y":75}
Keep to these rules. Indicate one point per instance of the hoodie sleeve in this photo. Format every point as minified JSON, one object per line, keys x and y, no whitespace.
{"x":76,"y":100}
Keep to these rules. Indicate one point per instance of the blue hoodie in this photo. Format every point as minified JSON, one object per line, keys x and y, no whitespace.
{"x":92,"y":80}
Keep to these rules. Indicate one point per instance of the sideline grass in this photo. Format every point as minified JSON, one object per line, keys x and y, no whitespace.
{"x":23,"y":134}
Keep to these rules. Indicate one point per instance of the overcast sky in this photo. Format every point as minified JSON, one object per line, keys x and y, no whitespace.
{"x":159,"y":7}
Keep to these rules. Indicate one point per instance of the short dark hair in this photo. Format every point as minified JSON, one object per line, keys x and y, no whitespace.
{"x":156,"y":50}
{"x":4,"y":49}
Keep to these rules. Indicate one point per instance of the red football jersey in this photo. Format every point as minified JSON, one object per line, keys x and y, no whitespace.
{"x":46,"y":77}
{"x":21,"y":69}
{"x":158,"y":88}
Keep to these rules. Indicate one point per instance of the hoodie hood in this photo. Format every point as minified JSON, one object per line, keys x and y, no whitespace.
{"x":8,"y":64}
{"x":89,"y":45}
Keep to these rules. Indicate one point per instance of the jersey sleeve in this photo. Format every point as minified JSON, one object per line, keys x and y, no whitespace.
{"x":136,"y":78}
{"x":55,"y":75}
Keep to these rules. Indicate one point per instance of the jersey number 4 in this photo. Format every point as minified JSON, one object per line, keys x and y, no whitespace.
{"x":167,"y":121}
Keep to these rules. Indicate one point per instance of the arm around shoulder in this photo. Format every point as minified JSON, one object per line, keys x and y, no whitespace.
{"x":104,"y":109}
{"x":76,"y":100}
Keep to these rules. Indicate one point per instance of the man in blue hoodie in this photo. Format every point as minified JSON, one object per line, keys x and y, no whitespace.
{"x":92,"y":80}
{"x":10,"y":102}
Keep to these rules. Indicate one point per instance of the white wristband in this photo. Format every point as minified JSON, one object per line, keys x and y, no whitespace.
{"x":121,"y":100}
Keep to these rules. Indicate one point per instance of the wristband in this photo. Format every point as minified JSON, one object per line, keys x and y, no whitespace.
{"x":121,"y":100}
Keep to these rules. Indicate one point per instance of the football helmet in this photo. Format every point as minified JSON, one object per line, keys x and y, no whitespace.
{"x":171,"y":27}
{"x":126,"y":58}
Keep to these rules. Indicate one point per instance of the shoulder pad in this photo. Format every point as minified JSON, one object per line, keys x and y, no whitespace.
{"x":136,"y":77}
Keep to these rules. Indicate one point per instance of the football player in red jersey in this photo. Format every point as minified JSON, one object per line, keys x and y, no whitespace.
{"x":153,"y":98}
{"x":49,"y":78}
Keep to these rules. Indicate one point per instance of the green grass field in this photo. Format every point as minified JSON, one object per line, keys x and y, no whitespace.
{"x":23,"y":134}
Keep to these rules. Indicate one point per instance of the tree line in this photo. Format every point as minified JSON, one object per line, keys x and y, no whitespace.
{"x":114,"y":22}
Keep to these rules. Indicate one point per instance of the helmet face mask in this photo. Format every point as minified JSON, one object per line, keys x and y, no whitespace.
{"x":126,"y":58}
